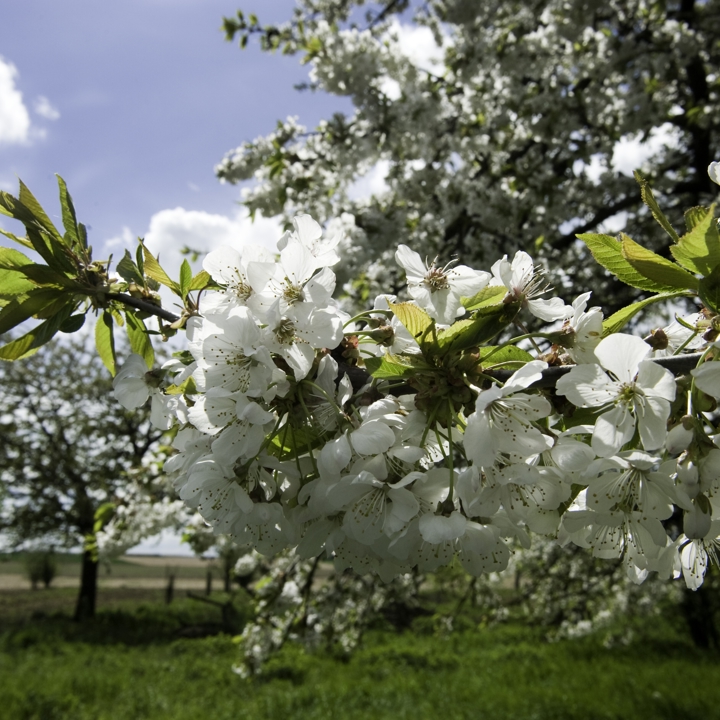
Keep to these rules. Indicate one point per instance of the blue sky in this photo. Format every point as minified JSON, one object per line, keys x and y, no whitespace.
{"x":133,"y":103}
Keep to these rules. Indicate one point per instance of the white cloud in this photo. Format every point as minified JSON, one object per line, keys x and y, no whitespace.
{"x":172,"y":230}
{"x":418,"y":44}
{"x":124,"y":240}
{"x":44,"y":108}
{"x":373,"y":182}
{"x":630,"y":153}
{"x":14,"y":116}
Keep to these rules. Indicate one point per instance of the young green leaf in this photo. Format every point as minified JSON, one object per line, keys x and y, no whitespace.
{"x":15,"y":238}
{"x":656,"y":268}
{"x":139,"y":339}
{"x":416,"y":321}
{"x":128,"y":271}
{"x":12,"y":281}
{"x":200,"y":281}
{"x":185,"y":278}
{"x":699,"y":249}
{"x":29,"y":201}
{"x":472,"y":332}
{"x":389,"y":366}
{"x":649,"y":199}
{"x":710,"y":290}
{"x":73,"y":323}
{"x":44,"y":332}
{"x":617,"y":321}
{"x":105,"y":341}
{"x":23,"y":307}
{"x":607,"y":252}
{"x":153,"y":270}
{"x":69,"y":218}
{"x":508,"y":356}
{"x":491,"y":295}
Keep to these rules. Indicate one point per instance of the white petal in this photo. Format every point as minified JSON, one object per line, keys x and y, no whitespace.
{"x":411,"y":263}
{"x":436,"y":529}
{"x":622,"y":354}
{"x":612,"y":430}
{"x":652,"y":417}
{"x":587,"y":386}
{"x":372,"y":438}
{"x":707,"y":378}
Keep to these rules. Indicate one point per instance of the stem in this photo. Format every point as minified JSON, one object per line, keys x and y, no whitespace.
{"x":365,"y":313}
{"x":147,"y":307}
{"x":517,"y":339}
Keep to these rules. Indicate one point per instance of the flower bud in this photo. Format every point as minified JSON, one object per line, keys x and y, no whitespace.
{"x":680,"y":437}
{"x":657,"y":340}
{"x":696,"y":523}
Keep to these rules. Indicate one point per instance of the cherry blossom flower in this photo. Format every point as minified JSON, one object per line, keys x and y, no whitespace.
{"x":636,"y":392}
{"x":525,"y":284}
{"x":438,"y":289}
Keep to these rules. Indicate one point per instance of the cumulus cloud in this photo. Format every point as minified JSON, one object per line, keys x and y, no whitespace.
{"x":174,"y":229}
{"x":418,"y":44}
{"x":630,"y":153}
{"x":44,"y":108}
{"x":373,"y":182}
{"x":14,"y":116}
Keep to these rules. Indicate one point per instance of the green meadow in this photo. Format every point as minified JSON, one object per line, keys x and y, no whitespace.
{"x":141,"y":658}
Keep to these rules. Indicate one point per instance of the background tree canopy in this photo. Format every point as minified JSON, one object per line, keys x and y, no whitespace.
{"x":499,"y":125}
{"x":67,"y":448}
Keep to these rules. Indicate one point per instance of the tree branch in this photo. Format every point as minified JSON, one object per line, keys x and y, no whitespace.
{"x":147,"y":307}
{"x":676,"y":364}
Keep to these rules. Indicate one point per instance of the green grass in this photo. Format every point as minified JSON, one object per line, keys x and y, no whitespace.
{"x":130,"y":665}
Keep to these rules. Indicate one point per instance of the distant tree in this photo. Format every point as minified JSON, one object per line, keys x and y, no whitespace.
{"x":497,"y":126}
{"x":66,"y":449}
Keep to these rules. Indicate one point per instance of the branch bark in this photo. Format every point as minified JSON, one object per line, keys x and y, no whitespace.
{"x":147,"y":307}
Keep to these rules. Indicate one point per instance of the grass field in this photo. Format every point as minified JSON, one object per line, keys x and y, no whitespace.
{"x":133,"y":663}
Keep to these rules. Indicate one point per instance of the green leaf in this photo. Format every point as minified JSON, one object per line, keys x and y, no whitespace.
{"x":699,"y":249}
{"x":21,"y":241}
{"x":105,"y":341}
{"x":710,"y":290}
{"x":153,"y":270}
{"x":23,"y":307}
{"x":29,"y":201}
{"x":44,"y":332}
{"x":188,"y":387}
{"x":72,"y":239}
{"x":392,"y":366}
{"x":507,"y":356}
{"x":469,"y":333}
{"x":290,"y":439}
{"x":13,"y":282}
{"x":139,"y":339}
{"x":185,"y":278}
{"x":607,"y":252}
{"x":139,"y":259}
{"x":622,"y":317}
{"x":649,"y":199}
{"x":416,"y":321}
{"x":128,"y":271}
{"x":11,"y":258}
{"x":200,"y":281}
{"x":73,"y":323}
{"x":665,"y":273}
{"x":491,"y":295}
{"x":47,"y":277}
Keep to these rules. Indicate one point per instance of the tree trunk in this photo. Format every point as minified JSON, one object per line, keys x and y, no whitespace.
{"x":85,"y":607}
{"x":698,"y":609}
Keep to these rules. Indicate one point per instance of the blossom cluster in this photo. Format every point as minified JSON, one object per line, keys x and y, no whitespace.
{"x":399,"y":439}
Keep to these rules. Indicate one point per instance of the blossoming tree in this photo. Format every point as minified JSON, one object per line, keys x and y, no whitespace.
{"x":416,"y":430}
{"x":478,"y":129}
